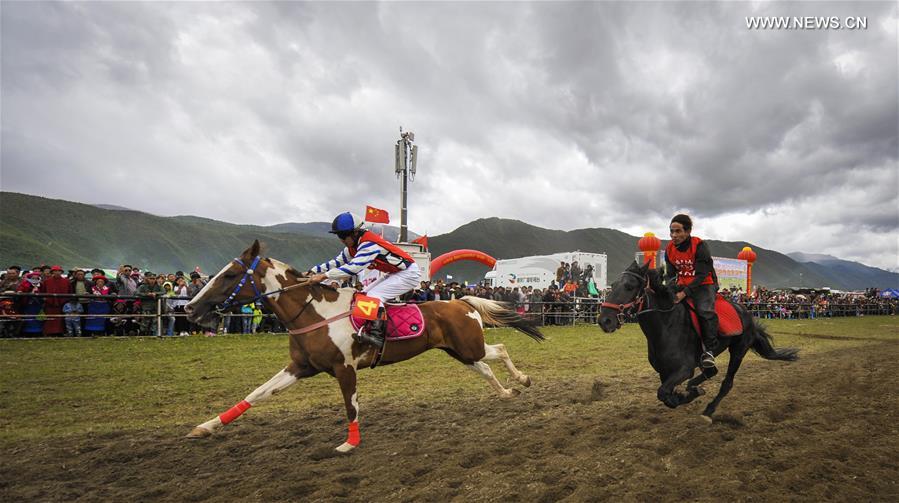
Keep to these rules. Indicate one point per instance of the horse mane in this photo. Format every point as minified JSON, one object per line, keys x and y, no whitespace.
{"x":300,"y":275}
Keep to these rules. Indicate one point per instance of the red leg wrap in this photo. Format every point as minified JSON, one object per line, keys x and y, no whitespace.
{"x":353,"y":438}
{"x":234,"y":412}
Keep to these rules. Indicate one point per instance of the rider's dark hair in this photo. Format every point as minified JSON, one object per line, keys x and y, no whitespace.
{"x":683,"y":220}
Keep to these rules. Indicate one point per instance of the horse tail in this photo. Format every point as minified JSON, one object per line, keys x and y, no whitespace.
{"x":498,"y":314}
{"x":761,"y":344}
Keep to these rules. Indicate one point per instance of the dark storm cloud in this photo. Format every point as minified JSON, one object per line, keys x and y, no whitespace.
{"x":562,"y":114}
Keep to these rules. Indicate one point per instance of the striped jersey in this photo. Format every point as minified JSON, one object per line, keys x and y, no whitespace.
{"x":372,"y":252}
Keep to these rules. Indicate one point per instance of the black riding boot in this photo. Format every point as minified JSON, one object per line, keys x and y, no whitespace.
{"x":374,"y":336}
{"x":710,"y":344}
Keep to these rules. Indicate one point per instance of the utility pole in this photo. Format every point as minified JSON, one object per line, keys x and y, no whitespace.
{"x":406,"y":157}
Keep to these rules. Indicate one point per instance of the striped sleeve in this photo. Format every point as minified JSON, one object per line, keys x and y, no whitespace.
{"x":364,"y":257}
{"x":337,"y":261}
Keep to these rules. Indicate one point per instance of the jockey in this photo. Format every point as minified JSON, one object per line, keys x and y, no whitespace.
{"x":365,"y":249}
{"x":689,"y":259}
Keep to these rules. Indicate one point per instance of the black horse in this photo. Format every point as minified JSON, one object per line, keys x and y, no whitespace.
{"x":674,"y":345}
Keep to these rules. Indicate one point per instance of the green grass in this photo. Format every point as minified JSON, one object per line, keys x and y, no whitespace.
{"x":71,"y":387}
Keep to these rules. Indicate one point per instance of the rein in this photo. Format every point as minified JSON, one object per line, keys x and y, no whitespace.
{"x":248,"y":274}
{"x":638,"y":300}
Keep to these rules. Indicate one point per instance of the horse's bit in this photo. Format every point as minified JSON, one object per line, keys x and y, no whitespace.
{"x":638,"y":300}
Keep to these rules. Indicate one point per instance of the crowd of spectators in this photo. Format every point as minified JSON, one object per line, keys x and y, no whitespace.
{"x":91,"y":303}
{"x":813,"y":303}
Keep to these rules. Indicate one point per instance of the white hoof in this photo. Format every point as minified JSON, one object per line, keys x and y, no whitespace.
{"x":706,"y":418}
{"x":510,"y":393}
{"x":199,"y":432}
{"x":345,"y":447}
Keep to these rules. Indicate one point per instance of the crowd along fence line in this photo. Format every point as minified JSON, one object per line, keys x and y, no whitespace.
{"x":580,"y":310}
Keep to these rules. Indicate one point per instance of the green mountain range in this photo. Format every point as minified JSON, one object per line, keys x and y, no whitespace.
{"x":36,"y":230}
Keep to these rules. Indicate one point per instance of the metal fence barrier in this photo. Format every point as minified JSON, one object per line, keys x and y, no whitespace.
{"x":154,"y":313}
{"x":580,"y":310}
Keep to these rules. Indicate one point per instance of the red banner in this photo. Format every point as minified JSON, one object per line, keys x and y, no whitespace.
{"x":376,"y":215}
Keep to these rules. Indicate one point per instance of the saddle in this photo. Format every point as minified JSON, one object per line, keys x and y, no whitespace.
{"x":404,"y":321}
{"x":729,"y":322}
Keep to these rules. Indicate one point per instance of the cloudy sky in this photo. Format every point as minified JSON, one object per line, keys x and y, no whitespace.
{"x":563,"y":115}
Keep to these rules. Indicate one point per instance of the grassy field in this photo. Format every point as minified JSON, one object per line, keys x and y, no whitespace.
{"x":64,"y":387}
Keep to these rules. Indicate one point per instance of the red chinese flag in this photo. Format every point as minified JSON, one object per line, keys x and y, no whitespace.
{"x":423,"y":240}
{"x":376,"y":215}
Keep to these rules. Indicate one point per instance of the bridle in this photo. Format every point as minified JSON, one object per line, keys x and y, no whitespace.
{"x":248,"y":274}
{"x":638,"y":300}
{"x":641,"y":300}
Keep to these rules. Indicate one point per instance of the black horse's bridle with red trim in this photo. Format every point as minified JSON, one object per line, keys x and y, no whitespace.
{"x":638,"y":300}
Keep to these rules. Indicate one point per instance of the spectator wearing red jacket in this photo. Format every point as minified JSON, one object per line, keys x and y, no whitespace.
{"x":55,"y":283}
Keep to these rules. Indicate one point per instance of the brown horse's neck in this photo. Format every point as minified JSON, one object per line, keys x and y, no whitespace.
{"x":298,"y":305}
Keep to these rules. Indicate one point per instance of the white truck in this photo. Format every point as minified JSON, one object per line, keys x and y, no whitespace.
{"x":540,"y":270}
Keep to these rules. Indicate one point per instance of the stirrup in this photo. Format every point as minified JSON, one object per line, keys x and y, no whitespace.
{"x":707,"y":360}
{"x":363,"y":337}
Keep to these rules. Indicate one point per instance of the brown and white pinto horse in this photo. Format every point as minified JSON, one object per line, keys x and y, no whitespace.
{"x":321,"y":338}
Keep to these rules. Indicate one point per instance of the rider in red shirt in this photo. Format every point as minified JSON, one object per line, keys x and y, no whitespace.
{"x":689,"y":261}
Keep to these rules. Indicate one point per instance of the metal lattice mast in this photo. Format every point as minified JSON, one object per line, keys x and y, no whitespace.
{"x":406,"y":156}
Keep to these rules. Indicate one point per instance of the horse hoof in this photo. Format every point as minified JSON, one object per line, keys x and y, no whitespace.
{"x":345,"y":447}
{"x":510,"y":393}
{"x":526,"y":382}
{"x":707,"y":419}
{"x":199,"y":432}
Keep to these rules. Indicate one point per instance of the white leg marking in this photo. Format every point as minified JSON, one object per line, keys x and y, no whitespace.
{"x":346,"y":446}
{"x":498,"y":352}
{"x":280,"y":381}
{"x":212,"y":424}
{"x":484,"y":369}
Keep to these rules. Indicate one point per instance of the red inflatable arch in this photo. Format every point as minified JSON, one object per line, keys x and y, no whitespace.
{"x":450,"y":257}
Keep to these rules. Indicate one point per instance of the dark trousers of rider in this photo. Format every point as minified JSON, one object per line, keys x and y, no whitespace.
{"x":704,"y":300}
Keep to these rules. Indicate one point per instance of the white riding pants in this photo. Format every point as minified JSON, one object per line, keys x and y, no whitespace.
{"x":390,"y":286}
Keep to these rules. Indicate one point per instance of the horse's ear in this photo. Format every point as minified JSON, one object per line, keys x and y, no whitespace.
{"x":252,"y":251}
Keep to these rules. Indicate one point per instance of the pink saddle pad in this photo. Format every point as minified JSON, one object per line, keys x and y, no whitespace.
{"x":403,"y":322}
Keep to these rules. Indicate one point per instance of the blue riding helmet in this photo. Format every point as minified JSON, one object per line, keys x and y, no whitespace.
{"x":346,"y":222}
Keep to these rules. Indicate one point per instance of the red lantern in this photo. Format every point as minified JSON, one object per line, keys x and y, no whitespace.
{"x":749,"y":256}
{"x":649,"y":244}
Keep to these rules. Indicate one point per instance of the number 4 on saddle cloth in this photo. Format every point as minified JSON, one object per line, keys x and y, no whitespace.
{"x":729,"y":322}
{"x":404,"y":321}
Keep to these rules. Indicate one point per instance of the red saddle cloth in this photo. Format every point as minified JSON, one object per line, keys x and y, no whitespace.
{"x":729,"y":322}
{"x":404,"y":321}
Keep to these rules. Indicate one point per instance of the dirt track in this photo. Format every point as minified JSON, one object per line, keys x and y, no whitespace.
{"x":823,"y":428}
